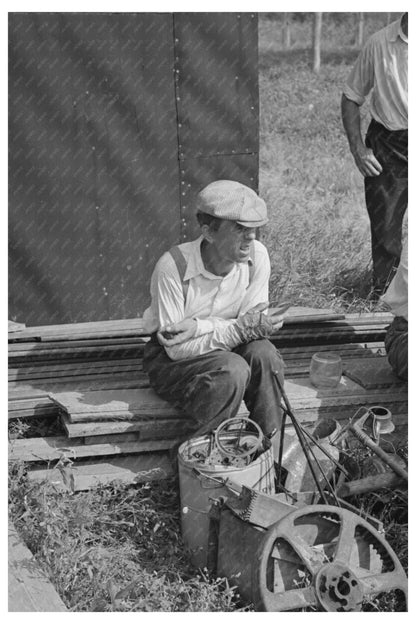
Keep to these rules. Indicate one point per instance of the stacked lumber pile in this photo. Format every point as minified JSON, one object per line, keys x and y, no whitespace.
{"x":87,"y":381}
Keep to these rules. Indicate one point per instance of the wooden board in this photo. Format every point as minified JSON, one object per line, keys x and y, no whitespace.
{"x":128,"y":341}
{"x":89,"y":474}
{"x":344,"y":413}
{"x":53,"y":448}
{"x":144,"y":403}
{"x":114,"y":404}
{"x":92,"y":371}
{"x":29,"y":588}
{"x":82,"y":385}
{"x":302,"y":394}
{"x":134,"y":326}
{"x":117,"y":404}
{"x":301,"y":314}
{"x":49,"y":411}
{"x":15,"y":327}
{"x":169,"y":428}
{"x":144,"y":399}
{"x":71,"y":331}
{"x":149,"y":430}
{"x":291,"y":333}
{"x":56,"y":371}
{"x":301,"y":336}
{"x":69,"y":370}
{"x":375,"y":374}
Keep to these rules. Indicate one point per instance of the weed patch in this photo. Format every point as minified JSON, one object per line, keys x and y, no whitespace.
{"x":114,"y":549}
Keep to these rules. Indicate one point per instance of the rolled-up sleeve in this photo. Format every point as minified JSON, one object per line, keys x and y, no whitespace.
{"x":167,"y":293}
{"x":224,"y":337}
{"x":361,"y":78}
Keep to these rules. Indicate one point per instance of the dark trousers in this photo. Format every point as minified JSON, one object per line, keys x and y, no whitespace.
{"x":396,"y":343}
{"x":209,"y":388}
{"x":386,"y":200}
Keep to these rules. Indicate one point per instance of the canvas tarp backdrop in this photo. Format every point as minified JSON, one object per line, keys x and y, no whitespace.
{"x":116,"y":121}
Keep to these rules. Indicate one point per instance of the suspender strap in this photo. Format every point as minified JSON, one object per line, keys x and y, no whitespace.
{"x":251,"y":264}
{"x":180,"y":262}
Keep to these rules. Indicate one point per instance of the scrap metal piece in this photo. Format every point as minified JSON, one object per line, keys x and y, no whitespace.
{"x":386,"y":457}
{"x":326,"y":558}
{"x":258,"y":508}
{"x":338,"y":588}
{"x":238,"y":437}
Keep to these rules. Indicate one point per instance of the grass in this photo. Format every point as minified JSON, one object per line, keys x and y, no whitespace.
{"x":115,"y":548}
{"x":119,"y":548}
{"x":318,"y":236}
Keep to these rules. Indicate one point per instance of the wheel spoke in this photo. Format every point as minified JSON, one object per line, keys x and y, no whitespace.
{"x":290,"y":600}
{"x":383,"y":583}
{"x":346,"y":539}
{"x":311,"y":557}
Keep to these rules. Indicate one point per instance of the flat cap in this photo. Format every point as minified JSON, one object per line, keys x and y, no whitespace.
{"x":227,"y":199}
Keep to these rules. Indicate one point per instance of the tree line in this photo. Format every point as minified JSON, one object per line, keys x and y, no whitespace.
{"x":288,"y":21}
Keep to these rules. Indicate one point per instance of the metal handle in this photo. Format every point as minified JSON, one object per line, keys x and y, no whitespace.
{"x":367,"y":441}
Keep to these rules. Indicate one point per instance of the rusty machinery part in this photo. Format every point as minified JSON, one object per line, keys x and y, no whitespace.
{"x":326,"y":558}
{"x":216,"y":458}
{"x":374,"y":465}
{"x":377,"y":420}
{"x":386,"y":457}
{"x":238,"y":437}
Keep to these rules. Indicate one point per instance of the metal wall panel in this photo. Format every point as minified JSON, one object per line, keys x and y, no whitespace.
{"x":116,"y":121}
{"x":93,"y":163}
{"x":216,"y":79}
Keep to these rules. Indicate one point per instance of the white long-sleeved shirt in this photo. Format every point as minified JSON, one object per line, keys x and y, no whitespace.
{"x":382,"y":67}
{"x":214,"y":301}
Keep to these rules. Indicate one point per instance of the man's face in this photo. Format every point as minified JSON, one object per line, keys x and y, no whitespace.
{"x":232,"y":241}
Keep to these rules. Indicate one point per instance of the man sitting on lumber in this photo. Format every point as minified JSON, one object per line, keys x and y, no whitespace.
{"x":208,"y":317}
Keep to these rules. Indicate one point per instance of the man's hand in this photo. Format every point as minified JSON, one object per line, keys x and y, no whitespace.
{"x":254,"y":324}
{"x":174,"y":334}
{"x":366,"y":162}
{"x":364,"y":157}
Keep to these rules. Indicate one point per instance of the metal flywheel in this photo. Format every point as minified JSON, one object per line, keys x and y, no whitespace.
{"x":323,"y":558}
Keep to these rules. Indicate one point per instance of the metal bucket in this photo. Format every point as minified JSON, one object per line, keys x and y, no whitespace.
{"x":201,"y":484}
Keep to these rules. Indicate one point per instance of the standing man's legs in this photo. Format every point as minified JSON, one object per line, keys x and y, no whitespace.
{"x":396,"y":342}
{"x":386,"y":200}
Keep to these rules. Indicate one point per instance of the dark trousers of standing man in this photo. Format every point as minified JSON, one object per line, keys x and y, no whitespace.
{"x":396,"y":342}
{"x":209,"y":388}
{"x":386,"y":199}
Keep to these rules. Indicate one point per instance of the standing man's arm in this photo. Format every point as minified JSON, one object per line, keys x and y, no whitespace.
{"x":364,"y":157}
